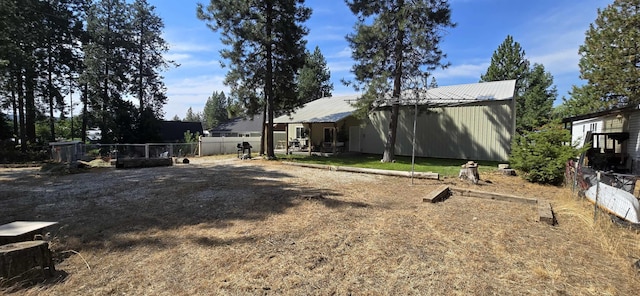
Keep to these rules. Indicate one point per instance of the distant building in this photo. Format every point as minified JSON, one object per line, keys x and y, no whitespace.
{"x":239,"y":127}
{"x":173,"y":131}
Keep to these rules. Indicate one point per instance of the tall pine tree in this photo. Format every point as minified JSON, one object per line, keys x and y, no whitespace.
{"x":215,"y":110}
{"x":314,"y":81}
{"x":610,"y":58}
{"x":534,"y":92}
{"x":395,"y":40}
{"x":107,"y":63}
{"x":147,"y":56}
{"x":265,"y":49}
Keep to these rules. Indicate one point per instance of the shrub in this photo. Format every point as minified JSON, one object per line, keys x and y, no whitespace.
{"x":541,"y":154}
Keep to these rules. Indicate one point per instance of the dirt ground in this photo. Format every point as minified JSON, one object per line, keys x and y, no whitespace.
{"x":223,"y":226}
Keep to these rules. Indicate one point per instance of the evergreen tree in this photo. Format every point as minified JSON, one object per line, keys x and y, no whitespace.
{"x":107,"y":63}
{"x":610,"y":57}
{"x":537,"y":99}
{"x":582,"y":101}
{"x":215,"y":110}
{"x":147,"y":56}
{"x":192,"y":116}
{"x":265,"y":51}
{"x":534,"y":92}
{"x":508,"y":62}
{"x":395,"y":40}
{"x":314,"y":79}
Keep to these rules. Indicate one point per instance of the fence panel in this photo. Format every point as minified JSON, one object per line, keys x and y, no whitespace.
{"x":225,"y":145}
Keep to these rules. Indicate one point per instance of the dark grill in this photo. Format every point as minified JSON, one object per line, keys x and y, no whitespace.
{"x":244,"y":148}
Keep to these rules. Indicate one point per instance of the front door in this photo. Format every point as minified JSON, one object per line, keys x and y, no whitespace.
{"x":328,"y":134}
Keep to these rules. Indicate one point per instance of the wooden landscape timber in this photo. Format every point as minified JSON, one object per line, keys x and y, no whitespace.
{"x":418,"y":175}
{"x":493,"y":195}
{"x":440,"y":194}
{"x":127,"y":163}
{"x":545,"y":212}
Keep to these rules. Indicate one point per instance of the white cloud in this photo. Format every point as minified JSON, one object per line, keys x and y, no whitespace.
{"x":182,"y":46}
{"x":191,"y":92}
{"x":344,"y":53}
{"x":564,"y":61}
{"x":462,"y":71}
{"x":339,"y":66}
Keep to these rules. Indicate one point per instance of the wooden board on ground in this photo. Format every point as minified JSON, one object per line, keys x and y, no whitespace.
{"x":545,"y":212}
{"x":440,"y":194}
{"x":492,"y":195}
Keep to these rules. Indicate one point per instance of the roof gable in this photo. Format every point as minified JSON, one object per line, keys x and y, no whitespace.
{"x":324,"y":110}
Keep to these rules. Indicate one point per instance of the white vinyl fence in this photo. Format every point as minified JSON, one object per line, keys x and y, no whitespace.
{"x":226,"y":145}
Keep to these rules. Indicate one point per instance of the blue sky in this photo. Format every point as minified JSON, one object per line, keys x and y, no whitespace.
{"x":550,"y":32}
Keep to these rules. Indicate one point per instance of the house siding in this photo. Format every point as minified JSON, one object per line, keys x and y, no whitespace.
{"x":480,"y":131}
{"x":633,"y":144}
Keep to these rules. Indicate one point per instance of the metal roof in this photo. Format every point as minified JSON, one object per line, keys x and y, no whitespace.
{"x":241,"y":124}
{"x":464,"y":93}
{"x":324,"y":110}
{"x":333,"y":109}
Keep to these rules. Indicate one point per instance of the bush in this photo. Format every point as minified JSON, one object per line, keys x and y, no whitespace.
{"x":541,"y":154}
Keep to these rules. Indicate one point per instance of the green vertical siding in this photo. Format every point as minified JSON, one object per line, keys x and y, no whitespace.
{"x":475,"y":132}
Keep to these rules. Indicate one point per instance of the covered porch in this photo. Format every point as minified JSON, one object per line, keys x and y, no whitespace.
{"x":321,"y":126}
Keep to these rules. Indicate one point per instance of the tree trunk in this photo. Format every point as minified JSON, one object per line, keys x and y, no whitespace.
{"x":85,"y":95}
{"x":52,"y":125}
{"x":140,"y":66}
{"x":389,"y":147}
{"x":30,"y":105}
{"x":14,"y":103}
{"x":269,"y":80}
{"x":20,"y":89}
{"x":264,"y":131}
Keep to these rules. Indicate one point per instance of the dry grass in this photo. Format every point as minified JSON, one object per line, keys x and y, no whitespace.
{"x":229,"y":227}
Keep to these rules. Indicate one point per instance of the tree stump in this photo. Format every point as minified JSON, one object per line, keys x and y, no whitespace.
{"x":469,"y":171}
{"x":18,"y":258}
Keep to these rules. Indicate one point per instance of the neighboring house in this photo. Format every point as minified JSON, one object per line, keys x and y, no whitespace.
{"x":239,"y":127}
{"x":173,"y":131}
{"x":470,"y":121}
{"x":614,"y":137}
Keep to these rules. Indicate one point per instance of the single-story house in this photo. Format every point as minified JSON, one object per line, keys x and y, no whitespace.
{"x":614,"y":135}
{"x":469,"y":121}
